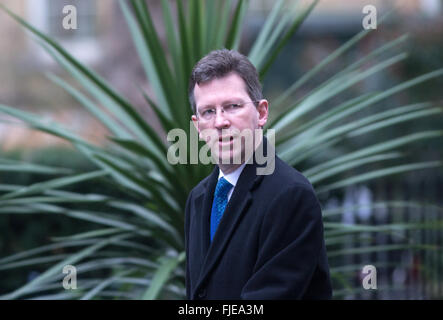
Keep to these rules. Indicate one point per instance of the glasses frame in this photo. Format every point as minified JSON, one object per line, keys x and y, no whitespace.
{"x":199,"y":115}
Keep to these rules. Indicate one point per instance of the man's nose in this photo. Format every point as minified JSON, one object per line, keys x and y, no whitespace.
{"x":220,"y":119}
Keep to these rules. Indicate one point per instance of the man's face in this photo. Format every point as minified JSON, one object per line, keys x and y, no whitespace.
{"x":222,"y":131}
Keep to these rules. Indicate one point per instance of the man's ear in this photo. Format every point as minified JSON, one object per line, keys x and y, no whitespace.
{"x":262,"y":109}
{"x":195,"y":122}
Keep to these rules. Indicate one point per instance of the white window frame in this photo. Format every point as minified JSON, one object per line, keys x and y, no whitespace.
{"x":85,"y":49}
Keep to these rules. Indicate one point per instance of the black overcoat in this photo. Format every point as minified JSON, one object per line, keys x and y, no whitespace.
{"x":269,"y":243}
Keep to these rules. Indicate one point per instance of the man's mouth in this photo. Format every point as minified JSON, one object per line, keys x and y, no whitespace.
{"x":225,"y":139}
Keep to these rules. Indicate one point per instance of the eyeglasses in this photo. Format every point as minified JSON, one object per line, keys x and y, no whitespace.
{"x":229,"y":108}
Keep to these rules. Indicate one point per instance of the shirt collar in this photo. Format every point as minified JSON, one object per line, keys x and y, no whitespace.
{"x":232,"y":177}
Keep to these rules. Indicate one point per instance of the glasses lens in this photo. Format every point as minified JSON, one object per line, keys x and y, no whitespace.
{"x":230,"y":108}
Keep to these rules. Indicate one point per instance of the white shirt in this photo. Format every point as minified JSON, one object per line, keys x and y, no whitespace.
{"x":232,"y":177}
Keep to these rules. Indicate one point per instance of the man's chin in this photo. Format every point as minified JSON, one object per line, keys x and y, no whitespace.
{"x":229,"y":158}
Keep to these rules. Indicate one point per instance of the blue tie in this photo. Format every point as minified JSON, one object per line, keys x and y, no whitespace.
{"x":219,"y":204}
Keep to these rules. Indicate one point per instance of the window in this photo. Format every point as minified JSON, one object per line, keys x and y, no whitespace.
{"x":47,"y":16}
{"x":86,"y":19}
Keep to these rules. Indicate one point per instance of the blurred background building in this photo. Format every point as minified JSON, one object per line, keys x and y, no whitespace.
{"x":102,"y":41}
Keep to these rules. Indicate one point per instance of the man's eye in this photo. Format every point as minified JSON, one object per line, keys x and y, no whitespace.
{"x":208,"y":112}
{"x":232,"y":106}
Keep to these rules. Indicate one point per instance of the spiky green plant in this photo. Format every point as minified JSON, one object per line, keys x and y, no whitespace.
{"x":137,"y":243}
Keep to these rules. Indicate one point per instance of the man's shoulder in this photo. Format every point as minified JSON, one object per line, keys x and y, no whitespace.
{"x":286,"y":175}
{"x":283,"y":175}
{"x":201,"y":185}
{"x":286,"y":190}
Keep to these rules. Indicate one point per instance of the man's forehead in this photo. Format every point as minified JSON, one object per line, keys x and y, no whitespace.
{"x":229,"y":85}
{"x":231,"y":76}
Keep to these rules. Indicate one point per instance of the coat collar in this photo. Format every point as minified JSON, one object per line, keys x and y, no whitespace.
{"x":239,"y":203}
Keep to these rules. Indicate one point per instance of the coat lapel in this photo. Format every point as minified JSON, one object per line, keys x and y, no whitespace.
{"x":239,"y":203}
{"x":203,"y":205}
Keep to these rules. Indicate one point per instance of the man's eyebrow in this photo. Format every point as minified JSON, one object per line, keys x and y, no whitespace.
{"x":233,"y":100}
{"x":230,"y":100}
{"x":205,"y":106}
